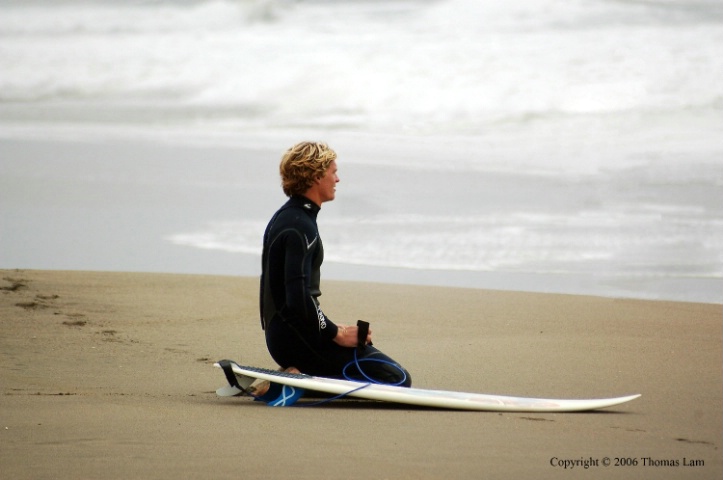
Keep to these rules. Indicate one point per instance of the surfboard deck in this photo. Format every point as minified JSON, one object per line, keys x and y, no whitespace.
{"x":245,"y":375}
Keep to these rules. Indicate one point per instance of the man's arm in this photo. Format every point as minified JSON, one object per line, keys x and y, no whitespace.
{"x":299,"y":301}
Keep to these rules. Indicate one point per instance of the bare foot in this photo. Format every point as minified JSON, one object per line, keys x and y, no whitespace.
{"x":260,"y":387}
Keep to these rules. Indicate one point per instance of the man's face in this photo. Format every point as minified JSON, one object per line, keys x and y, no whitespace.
{"x":327,"y":183}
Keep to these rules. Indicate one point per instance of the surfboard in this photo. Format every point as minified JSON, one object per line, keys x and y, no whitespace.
{"x":293,"y":385}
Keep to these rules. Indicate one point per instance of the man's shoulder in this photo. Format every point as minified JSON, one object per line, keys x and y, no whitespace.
{"x":292,"y":212}
{"x":293,"y":216}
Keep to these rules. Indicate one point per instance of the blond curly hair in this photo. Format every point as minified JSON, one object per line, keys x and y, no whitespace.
{"x":303,"y":164}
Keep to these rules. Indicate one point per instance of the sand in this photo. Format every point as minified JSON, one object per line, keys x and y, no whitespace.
{"x":109,"y":375}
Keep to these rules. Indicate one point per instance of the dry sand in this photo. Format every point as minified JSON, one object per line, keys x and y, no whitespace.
{"x":109,"y":375}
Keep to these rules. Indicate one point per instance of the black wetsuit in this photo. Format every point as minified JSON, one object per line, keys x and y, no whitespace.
{"x":298,"y":333}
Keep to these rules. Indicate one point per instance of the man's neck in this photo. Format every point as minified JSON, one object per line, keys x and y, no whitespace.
{"x":313,"y":196}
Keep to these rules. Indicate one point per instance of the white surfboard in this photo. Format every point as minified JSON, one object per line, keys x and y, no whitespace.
{"x":243,"y":376}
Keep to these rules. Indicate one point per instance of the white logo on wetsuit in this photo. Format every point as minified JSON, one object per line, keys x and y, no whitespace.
{"x":309,"y":245}
{"x":322,"y":318}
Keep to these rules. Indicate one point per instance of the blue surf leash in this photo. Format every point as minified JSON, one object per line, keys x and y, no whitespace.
{"x":284,"y":395}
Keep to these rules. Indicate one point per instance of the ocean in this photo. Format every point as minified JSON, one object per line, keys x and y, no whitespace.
{"x":569,"y":146}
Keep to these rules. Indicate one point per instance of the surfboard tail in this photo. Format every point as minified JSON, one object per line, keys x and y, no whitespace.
{"x":238,"y":384}
{"x":277,"y":395}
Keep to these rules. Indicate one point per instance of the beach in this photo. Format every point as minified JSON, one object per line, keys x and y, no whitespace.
{"x":110,"y":375}
{"x":530,"y":204}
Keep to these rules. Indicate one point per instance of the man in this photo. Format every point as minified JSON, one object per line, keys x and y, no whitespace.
{"x":299,"y":335}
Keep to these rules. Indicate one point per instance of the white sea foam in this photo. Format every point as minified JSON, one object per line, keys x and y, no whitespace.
{"x":407,"y":66}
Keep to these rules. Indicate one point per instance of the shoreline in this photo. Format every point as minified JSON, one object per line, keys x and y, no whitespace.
{"x":110,"y":375}
{"x":114,"y":203}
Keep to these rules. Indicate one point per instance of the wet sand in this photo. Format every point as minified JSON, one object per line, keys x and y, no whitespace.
{"x":109,"y":375}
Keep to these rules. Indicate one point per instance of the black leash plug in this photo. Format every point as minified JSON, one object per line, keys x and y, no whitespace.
{"x":362,"y":334}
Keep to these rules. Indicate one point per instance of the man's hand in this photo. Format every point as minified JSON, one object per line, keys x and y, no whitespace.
{"x":347,"y":336}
